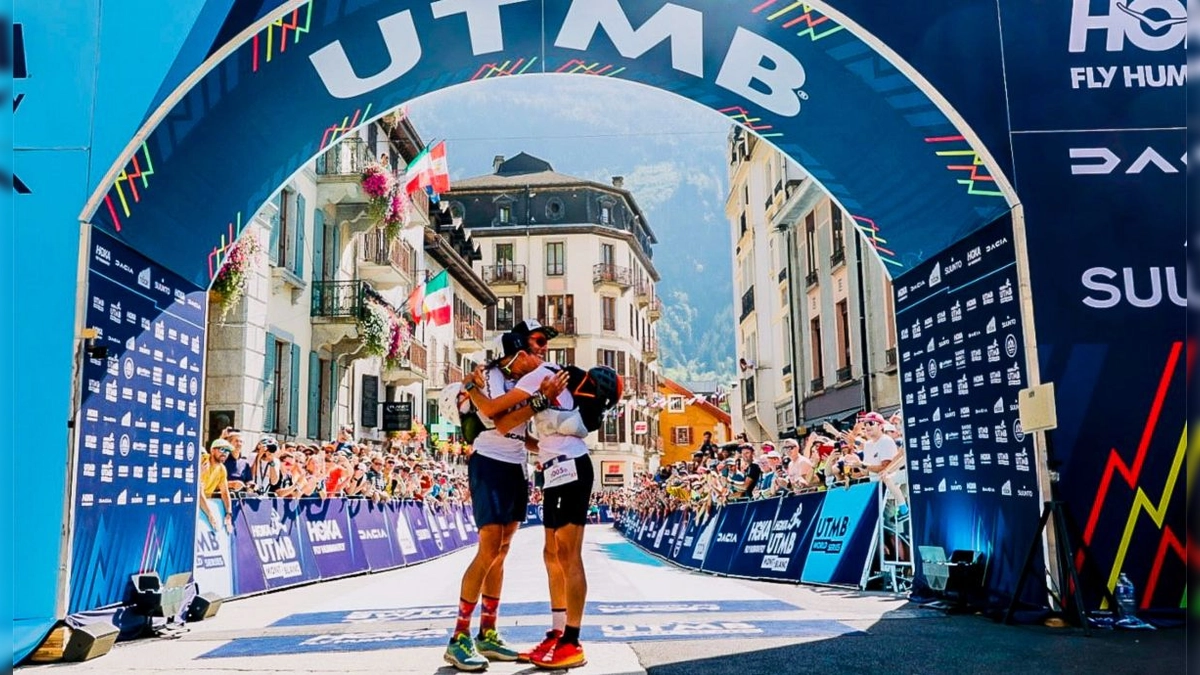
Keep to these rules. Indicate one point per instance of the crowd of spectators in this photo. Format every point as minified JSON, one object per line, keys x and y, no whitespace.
{"x":719,"y":474}
{"x":394,"y":470}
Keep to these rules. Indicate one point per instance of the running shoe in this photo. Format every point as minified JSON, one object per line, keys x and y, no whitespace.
{"x":462,"y":655}
{"x":562,"y":656}
{"x":489,"y":644}
{"x":540,"y":650}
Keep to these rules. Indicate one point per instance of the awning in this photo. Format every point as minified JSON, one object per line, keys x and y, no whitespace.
{"x":839,"y":418}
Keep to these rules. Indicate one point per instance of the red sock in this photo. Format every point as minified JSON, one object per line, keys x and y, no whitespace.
{"x":487,"y":616}
{"x":465,"y":611}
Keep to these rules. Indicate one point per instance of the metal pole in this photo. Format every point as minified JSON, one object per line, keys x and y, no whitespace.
{"x":864,"y":344}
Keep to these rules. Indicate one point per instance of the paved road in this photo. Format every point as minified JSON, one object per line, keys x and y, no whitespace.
{"x":644,"y":616}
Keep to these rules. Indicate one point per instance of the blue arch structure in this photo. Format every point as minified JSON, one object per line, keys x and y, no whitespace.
{"x":924,"y":123}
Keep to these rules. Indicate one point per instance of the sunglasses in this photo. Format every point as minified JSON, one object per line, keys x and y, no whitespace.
{"x":869,"y":423}
{"x":538,"y":340}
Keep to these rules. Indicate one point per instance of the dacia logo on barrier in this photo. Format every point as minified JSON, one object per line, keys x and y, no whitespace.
{"x":1150,"y":25}
{"x":775,"y":88}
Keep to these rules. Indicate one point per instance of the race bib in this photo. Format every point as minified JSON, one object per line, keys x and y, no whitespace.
{"x":562,"y":472}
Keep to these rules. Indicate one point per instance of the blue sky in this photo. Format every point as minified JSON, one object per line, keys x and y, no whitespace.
{"x":670,"y":150}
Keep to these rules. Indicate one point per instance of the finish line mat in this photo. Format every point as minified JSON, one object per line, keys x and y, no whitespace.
{"x":523,"y":635}
{"x":593,"y":609}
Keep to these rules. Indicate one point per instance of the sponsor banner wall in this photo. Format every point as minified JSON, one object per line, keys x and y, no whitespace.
{"x":137,"y":427}
{"x":822,"y":537}
{"x":370,"y":524}
{"x":330,"y":538}
{"x":778,"y":539}
{"x":842,"y":537}
{"x":1111,"y":328}
{"x":1102,"y":184}
{"x":972,"y":476}
{"x":726,"y":542}
{"x":213,"y":570}
{"x":279,"y":542}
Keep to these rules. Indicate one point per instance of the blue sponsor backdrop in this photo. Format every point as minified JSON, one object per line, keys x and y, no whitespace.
{"x":138,"y":426}
{"x":823,"y":537}
{"x":973,"y":480}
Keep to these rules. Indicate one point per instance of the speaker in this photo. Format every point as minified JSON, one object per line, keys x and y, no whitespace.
{"x":90,"y":640}
{"x":204,"y":606}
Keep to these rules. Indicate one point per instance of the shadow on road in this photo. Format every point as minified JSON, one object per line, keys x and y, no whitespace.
{"x":937,"y":643}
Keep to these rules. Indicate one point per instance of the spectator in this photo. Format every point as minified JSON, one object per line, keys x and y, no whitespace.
{"x":213,"y":480}
{"x":237,"y":468}
{"x":746,"y":474}
{"x":265,"y":473}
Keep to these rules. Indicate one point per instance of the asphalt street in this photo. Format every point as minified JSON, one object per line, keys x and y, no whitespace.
{"x":644,"y":616}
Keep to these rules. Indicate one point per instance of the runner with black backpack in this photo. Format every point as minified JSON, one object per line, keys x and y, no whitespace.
{"x":560,"y":426}
{"x":498,"y":485}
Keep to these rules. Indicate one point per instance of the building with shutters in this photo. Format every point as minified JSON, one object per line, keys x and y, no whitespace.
{"x":684,"y":418}
{"x":288,"y":360}
{"x":816,"y":338}
{"x":576,"y":255}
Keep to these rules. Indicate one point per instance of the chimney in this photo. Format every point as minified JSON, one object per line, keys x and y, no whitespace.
{"x":496,"y":162}
{"x":619,"y":182}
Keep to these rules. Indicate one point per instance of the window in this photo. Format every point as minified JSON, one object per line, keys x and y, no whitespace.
{"x":507,"y":313}
{"x":504,"y":255}
{"x":279,"y":387}
{"x":839,"y":236}
{"x":504,"y":214}
{"x":285,"y":228}
{"x":815,"y":350}
{"x":682,"y":435}
{"x":555,"y":208}
{"x":607,"y":357}
{"x":607,"y":254}
{"x":787,"y":343}
{"x":675,"y":404}
{"x":810,"y":241}
{"x":563,"y":357}
{"x":556,"y":259}
{"x":843,"y":334}
{"x":605,"y":214}
{"x":609,"y":307}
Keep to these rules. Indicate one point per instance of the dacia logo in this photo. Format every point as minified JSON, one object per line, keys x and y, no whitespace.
{"x":1105,"y":161}
{"x":1151,"y":25}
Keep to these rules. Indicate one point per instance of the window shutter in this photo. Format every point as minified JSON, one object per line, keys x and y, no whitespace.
{"x":273,"y":240}
{"x":600,"y":357}
{"x":318,"y":259}
{"x":491,"y":317}
{"x":621,"y":424}
{"x":301,"y":217}
{"x":570,"y":356}
{"x":518,"y":309}
{"x":335,"y":255}
{"x":269,"y":384}
{"x":370,"y":401}
{"x":294,"y":394}
{"x":314,"y":393}
{"x":541,"y":315}
{"x":335,"y":387}
{"x":570,"y":307}
{"x":621,"y":363}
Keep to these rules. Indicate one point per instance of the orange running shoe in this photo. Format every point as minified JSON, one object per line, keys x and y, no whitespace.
{"x":562,"y":656}
{"x":539,"y":651}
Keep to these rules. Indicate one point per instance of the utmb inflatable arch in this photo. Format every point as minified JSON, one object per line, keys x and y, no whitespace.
{"x":1018,"y":166}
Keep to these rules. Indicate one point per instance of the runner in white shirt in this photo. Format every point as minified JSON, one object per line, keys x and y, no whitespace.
{"x":499,"y":497}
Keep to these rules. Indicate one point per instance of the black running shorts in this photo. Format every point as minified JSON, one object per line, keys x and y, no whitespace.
{"x":499,"y":491}
{"x":568,"y":504}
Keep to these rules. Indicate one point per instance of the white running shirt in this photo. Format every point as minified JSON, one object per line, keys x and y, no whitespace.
{"x":491,"y":443}
{"x":555,"y":445}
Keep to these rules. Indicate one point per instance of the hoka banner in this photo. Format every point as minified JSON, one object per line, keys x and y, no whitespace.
{"x":778,"y":535}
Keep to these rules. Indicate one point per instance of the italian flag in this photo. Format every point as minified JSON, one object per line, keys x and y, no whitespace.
{"x":429,"y":171}
{"x":431,"y":300}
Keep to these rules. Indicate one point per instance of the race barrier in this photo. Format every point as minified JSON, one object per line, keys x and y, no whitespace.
{"x":819,"y":538}
{"x":277,"y":543}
